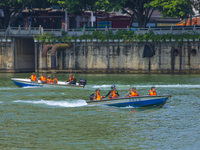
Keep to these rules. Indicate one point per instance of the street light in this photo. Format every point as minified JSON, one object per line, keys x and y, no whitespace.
{"x":66,"y":19}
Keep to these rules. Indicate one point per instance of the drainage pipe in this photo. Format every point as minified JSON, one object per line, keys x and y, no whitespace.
{"x":45,"y":49}
{"x":61,"y":46}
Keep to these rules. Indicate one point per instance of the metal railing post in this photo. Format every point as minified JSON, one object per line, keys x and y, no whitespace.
{"x":149,"y":29}
{"x":8,"y":30}
{"x":194,"y":28}
{"x":29,"y":29}
{"x":171,"y":29}
{"x":19,"y":29}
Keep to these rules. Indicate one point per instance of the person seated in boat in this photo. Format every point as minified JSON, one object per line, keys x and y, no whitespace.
{"x":33,"y":77}
{"x":132,"y":92}
{"x":152,"y":92}
{"x":43,"y":79}
{"x":113,"y":93}
{"x":97,"y":96}
{"x":55,"y":80}
{"x":48,"y":80}
{"x":72,"y":79}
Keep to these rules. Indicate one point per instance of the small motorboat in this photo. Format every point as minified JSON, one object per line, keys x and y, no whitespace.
{"x":28,"y":83}
{"x":138,"y":101}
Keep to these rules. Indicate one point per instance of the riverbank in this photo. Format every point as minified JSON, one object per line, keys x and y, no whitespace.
{"x":27,"y":55}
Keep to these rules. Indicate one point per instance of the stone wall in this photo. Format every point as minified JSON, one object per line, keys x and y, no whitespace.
{"x":170,"y":57}
{"x":6,"y":55}
{"x":20,"y":54}
{"x":17,"y":54}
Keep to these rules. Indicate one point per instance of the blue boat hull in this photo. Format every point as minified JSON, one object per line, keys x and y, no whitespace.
{"x":28,"y":83}
{"x":139,"y":101}
{"x":148,"y":103}
{"x":23,"y":84}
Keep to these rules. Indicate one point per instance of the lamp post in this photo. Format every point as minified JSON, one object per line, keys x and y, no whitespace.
{"x":66,"y":19}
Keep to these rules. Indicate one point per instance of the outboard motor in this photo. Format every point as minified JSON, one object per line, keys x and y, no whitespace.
{"x":82,"y":82}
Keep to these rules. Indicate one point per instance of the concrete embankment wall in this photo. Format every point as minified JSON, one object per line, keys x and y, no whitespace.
{"x":17,"y":54}
{"x":119,"y":57}
{"x":20,"y":54}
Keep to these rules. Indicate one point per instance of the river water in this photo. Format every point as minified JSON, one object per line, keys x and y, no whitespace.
{"x":59,"y":118}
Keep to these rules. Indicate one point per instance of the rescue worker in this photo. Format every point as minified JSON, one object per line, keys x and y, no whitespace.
{"x":132,"y":92}
{"x":33,"y":77}
{"x":97,"y":95}
{"x":72,"y":79}
{"x":55,"y":80}
{"x":152,"y":92}
{"x":113,"y":93}
{"x":49,"y":80}
{"x":43,"y":79}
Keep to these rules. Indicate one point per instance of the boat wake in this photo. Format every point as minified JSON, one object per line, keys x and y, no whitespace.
{"x":7,"y":88}
{"x":67,"y":103}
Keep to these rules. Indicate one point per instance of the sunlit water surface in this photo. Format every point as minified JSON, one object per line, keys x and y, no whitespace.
{"x":59,"y":118}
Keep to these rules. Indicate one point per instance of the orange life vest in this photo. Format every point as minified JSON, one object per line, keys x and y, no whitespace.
{"x":71,"y":78}
{"x":43,"y":78}
{"x":55,"y":80}
{"x":48,"y":80}
{"x":133,"y":94}
{"x":33,"y":77}
{"x":112,"y":94}
{"x":97,"y":97}
{"x":151,"y":93}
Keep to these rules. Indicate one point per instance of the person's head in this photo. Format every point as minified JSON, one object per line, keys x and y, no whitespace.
{"x":97,"y":90}
{"x":153,"y":88}
{"x":48,"y":76}
{"x":43,"y":74}
{"x":134,"y":88}
{"x":71,"y":75}
{"x":113,"y":87}
{"x":33,"y":73}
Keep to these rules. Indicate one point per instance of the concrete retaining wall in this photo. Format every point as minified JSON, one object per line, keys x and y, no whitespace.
{"x":24,"y":55}
{"x":170,"y":57}
{"x":17,"y":54}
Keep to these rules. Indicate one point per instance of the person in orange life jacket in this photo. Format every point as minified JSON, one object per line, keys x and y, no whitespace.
{"x":97,"y":95}
{"x":72,"y":79}
{"x":152,"y":92}
{"x":132,"y":92}
{"x":113,"y":93}
{"x":43,"y":79}
{"x":33,"y":77}
{"x":49,"y":80}
{"x":55,"y":80}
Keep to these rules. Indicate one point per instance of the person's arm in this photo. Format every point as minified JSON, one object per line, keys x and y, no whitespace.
{"x":117,"y":93}
{"x":107,"y":94}
{"x":127,"y":94}
{"x":95,"y":97}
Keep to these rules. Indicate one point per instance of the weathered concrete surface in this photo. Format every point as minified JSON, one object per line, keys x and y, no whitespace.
{"x":24,"y":55}
{"x":170,"y":57}
{"x":17,"y":55}
{"x":6,"y":55}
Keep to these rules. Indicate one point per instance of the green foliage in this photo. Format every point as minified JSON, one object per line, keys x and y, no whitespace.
{"x":173,"y":8}
{"x":127,"y":36}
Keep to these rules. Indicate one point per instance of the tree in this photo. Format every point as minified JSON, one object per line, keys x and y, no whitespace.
{"x":12,"y":9}
{"x":139,"y":10}
{"x":174,"y":8}
{"x":76,"y":6}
